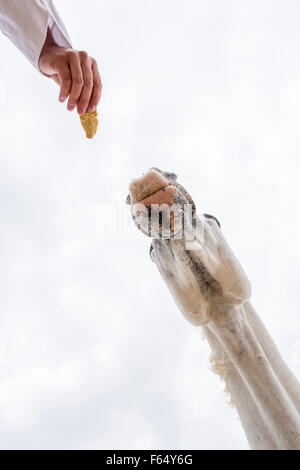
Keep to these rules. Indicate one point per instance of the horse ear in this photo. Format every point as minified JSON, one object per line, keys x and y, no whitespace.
{"x":128,"y":200}
{"x":213,"y":218}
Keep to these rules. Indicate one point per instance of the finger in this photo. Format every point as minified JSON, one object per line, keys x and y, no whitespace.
{"x":64,"y":76}
{"x":87,"y":89}
{"x":97,"y":88}
{"x":77,"y":81}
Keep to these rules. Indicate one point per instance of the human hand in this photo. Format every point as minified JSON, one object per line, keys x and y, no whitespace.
{"x":75,"y":72}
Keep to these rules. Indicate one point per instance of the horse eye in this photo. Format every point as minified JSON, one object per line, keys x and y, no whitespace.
{"x":150,"y":251}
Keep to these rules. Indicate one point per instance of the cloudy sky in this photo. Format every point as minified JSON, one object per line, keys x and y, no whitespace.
{"x":93,"y":352}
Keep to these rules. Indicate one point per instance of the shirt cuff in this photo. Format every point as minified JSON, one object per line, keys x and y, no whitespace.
{"x":58,"y":35}
{"x":26,"y":24}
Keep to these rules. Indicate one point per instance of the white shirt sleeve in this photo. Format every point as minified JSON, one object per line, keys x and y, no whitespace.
{"x":25,"y":23}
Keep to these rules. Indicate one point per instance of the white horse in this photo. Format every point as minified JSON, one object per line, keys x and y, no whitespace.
{"x":211,"y":289}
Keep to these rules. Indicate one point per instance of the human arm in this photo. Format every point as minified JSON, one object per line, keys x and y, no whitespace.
{"x":36,"y":29}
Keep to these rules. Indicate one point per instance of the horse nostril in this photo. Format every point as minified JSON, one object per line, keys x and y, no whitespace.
{"x":128,"y":200}
{"x":170,"y":176}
